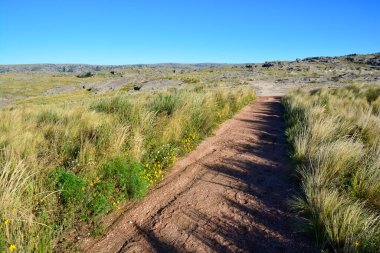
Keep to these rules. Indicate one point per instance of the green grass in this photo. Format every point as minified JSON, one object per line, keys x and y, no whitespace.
{"x":335,"y":136}
{"x":16,"y":85}
{"x":164,"y":103}
{"x":74,"y":158}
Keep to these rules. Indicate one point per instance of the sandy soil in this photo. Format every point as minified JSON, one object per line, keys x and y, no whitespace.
{"x":228,"y":195}
{"x":160,"y":84}
{"x":61,"y":90}
{"x":267,"y":88}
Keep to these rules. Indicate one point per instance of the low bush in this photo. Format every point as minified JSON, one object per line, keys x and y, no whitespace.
{"x":127,"y":177}
{"x":85,"y":75}
{"x":69,"y":186}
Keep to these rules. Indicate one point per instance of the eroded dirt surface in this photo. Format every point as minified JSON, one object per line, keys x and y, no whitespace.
{"x":229,"y":195}
{"x":266,"y":88}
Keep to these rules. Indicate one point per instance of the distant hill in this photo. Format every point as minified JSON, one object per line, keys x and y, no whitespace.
{"x":78,"y":68}
{"x":368,"y":59}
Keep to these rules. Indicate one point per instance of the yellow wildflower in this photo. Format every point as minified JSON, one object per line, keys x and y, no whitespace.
{"x":6,"y":221}
{"x":12,"y":247}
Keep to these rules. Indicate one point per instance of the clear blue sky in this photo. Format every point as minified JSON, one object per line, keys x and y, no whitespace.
{"x":186,"y":31}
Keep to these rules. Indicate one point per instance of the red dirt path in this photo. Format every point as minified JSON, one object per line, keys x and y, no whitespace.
{"x":228,"y":195}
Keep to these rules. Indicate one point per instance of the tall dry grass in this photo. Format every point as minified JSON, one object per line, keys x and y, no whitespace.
{"x":334,"y":135}
{"x":63,"y":164}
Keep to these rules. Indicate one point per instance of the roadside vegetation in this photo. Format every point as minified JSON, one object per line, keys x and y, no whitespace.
{"x":63,"y":164}
{"x":335,"y":135}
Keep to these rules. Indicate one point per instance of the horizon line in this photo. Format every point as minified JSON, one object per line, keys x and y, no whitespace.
{"x":187,"y":63}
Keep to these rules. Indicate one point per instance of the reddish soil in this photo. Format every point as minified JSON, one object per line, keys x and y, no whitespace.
{"x":228,"y":195}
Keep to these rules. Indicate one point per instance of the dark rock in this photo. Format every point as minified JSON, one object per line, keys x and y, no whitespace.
{"x":85,"y":75}
{"x":267,"y":65}
{"x":374,"y":61}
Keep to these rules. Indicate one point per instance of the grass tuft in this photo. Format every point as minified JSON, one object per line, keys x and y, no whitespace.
{"x":335,"y":143}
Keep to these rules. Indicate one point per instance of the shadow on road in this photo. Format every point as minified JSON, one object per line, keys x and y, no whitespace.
{"x":229,"y":195}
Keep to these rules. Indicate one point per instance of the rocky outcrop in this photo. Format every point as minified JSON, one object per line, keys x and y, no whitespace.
{"x":267,"y":65}
{"x":321,"y":59}
{"x":373,"y":60}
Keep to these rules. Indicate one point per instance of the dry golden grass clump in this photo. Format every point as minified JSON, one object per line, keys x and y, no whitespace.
{"x":335,"y":135}
{"x":61,"y":164}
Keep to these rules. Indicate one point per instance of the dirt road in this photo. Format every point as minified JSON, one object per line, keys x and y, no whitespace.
{"x":228,"y":195}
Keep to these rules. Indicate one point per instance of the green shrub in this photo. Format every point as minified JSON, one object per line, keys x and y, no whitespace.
{"x":127,"y":177}
{"x":159,"y":159}
{"x":70,"y":186}
{"x":101,"y":198}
